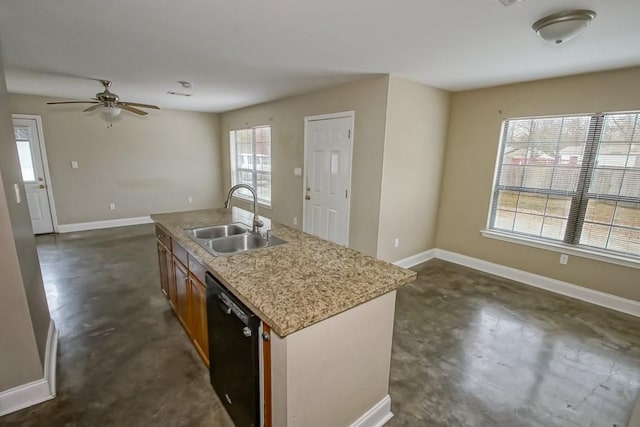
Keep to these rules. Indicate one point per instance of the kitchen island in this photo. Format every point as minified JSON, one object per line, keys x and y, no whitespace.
{"x":329,"y":309}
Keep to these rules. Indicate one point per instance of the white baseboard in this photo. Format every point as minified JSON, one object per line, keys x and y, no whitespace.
{"x":377,"y":416}
{"x":568,"y":289}
{"x":96,"y":225}
{"x":38,"y":391}
{"x":51,"y":357}
{"x":416,"y":259}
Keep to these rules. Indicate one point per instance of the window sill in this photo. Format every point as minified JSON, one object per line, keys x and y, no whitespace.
{"x":626,"y":261}
{"x":250,"y":201}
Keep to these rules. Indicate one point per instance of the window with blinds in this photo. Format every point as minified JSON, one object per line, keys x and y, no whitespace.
{"x":571,"y":179}
{"x":23,"y":141}
{"x":251,"y":161}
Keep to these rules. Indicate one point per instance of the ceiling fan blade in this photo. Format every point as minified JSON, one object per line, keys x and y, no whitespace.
{"x":137,"y":104}
{"x":93,"y":107}
{"x":71,"y":102}
{"x":130,"y":108}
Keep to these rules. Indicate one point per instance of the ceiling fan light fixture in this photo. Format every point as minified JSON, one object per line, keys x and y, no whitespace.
{"x":562,"y":26}
{"x":110,"y":112}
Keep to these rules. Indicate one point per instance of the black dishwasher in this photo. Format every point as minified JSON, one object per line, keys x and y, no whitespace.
{"x":233,"y":354}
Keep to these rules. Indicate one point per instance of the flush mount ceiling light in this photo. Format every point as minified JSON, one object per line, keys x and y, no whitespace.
{"x":563,"y":26}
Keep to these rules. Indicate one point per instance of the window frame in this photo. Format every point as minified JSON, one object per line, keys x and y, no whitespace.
{"x":254,"y":171}
{"x":570,"y":243}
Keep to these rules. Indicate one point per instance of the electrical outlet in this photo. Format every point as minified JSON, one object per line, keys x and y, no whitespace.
{"x":564,"y":259}
{"x":190,"y":199}
{"x":396,"y":242}
{"x":295,"y":220}
{"x":112,"y":206}
{"x":74,"y":164}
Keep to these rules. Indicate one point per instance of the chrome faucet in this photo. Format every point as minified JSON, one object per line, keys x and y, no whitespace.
{"x":227,"y":203}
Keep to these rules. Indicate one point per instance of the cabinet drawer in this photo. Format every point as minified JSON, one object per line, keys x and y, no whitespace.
{"x":180,"y":253}
{"x":197,"y":270}
{"x":164,"y":237}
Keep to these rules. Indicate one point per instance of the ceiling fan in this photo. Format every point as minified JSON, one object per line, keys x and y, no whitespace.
{"x":110,"y":102}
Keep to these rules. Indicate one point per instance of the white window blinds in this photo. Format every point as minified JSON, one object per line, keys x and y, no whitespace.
{"x":251,"y":161}
{"x":574,"y":179}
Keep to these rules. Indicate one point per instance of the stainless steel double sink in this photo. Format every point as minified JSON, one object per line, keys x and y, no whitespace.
{"x":229,"y":239}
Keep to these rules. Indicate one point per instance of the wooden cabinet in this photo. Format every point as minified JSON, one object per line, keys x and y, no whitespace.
{"x":183,"y":291}
{"x":164,"y":269}
{"x":198,"y":318}
{"x":163,"y":237}
{"x":182,"y":281}
{"x":171,"y":280}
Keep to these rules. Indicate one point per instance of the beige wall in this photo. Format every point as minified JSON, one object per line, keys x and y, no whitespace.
{"x":144,"y":165}
{"x":417,"y":122}
{"x":368,"y":99}
{"x":333,"y":372}
{"x":24,"y":315}
{"x":470,"y":158}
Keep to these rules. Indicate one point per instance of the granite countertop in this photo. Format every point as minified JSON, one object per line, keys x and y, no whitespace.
{"x":294,"y":285}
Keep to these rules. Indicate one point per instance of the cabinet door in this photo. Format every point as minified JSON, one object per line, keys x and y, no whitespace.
{"x":182,"y":293}
{"x":164,"y":269}
{"x":198,"y":325}
{"x":171,"y":280}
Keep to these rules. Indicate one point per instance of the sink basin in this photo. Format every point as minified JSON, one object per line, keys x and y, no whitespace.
{"x":228,"y":239}
{"x":217,"y":231}
{"x":240,"y":243}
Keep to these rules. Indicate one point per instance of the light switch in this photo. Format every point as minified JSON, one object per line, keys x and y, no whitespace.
{"x":297,"y":171}
{"x":74,"y":164}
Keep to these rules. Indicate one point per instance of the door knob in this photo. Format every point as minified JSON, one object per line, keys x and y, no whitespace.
{"x":42,"y":186}
{"x":307,"y":197}
{"x":40,"y":178}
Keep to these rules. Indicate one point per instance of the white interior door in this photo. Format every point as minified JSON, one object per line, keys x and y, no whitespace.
{"x":328,"y":148}
{"x":33,"y":176}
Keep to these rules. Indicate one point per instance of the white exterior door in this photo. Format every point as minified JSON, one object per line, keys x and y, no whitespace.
{"x":33,"y":176}
{"x":328,"y":151}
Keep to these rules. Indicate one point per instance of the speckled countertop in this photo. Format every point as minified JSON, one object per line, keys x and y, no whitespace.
{"x":294,"y":285}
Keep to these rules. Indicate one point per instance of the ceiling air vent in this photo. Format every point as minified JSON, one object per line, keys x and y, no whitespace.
{"x":510,"y":2}
{"x":179,"y":93}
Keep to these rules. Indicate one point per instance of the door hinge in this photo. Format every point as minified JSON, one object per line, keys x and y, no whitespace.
{"x":349,"y":136}
{"x":346,"y":194}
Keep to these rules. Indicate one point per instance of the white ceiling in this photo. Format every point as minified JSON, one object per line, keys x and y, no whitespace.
{"x":242,"y":52}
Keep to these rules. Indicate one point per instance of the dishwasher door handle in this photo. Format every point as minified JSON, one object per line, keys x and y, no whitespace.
{"x":225,"y":308}
{"x":228,"y":306}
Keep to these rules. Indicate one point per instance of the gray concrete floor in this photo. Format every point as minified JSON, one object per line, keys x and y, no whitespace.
{"x":469,"y":349}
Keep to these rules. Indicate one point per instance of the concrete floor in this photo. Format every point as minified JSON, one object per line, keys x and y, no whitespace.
{"x":469,"y":349}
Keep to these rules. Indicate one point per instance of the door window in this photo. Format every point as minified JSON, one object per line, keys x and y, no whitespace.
{"x":23,"y":141}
